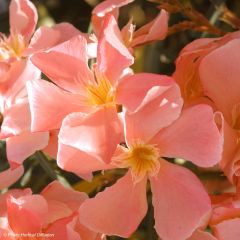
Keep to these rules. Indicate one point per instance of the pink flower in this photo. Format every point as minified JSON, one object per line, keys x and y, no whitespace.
{"x":54,"y":212}
{"x":81,"y":102}
{"x":208,"y":69}
{"x":224,"y":220}
{"x":15,"y":127}
{"x":180,"y":201}
{"x":152,"y":31}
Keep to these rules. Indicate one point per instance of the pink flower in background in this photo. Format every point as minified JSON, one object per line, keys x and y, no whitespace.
{"x":54,"y":211}
{"x":208,"y":69}
{"x":152,"y":31}
{"x":83,"y":99}
{"x":224,"y":221}
{"x":180,"y":201}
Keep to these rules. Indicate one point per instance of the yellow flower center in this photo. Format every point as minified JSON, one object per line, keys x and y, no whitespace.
{"x":11,"y":47}
{"x":142,"y":159}
{"x":101,"y":92}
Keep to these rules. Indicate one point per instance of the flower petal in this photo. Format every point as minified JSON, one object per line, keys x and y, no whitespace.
{"x":24,"y":145}
{"x":9,"y":176}
{"x":111,"y":50}
{"x":23,"y":17}
{"x":118,"y":210}
{"x":149,"y":97}
{"x":194,"y":137}
{"x":219,"y":73}
{"x":96,"y":133}
{"x":180,"y":202}
{"x":79,"y":162}
{"x":229,"y":229}
{"x":22,"y":209}
{"x":43,"y":96}
{"x":155,"y":30}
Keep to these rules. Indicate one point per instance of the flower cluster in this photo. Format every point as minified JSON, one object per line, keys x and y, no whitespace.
{"x":74,"y":97}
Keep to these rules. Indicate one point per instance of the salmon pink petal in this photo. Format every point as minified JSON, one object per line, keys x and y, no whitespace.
{"x":16,"y":119}
{"x":64,"y":229}
{"x":111,"y":50}
{"x":122,"y":206}
{"x":43,"y":96}
{"x":108,"y":6}
{"x":79,"y":162}
{"x":201,"y":235}
{"x":220,"y":78}
{"x":228,"y":229}
{"x":96,"y":133}
{"x":13,"y":84}
{"x":156,"y":97}
{"x":9,"y":176}
{"x":45,"y":37}
{"x":194,"y":137}
{"x":68,"y":72}
{"x":155,"y":30}
{"x":22,"y":209}
{"x":55,"y":191}
{"x":180,"y":202}
{"x":52,"y":147}
{"x":24,"y":145}
{"x":23,"y":17}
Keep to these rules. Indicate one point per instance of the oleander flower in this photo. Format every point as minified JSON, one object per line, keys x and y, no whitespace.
{"x":84,"y":97}
{"x":224,"y":221}
{"x":207,"y":69}
{"x":152,"y":31}
{"x":180,"y":201}
{"x":52,"y":213}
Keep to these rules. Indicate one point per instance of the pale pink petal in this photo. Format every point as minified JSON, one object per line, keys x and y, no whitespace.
{"x":194,"y":137}
{"x":9,"y":176}
{"x":219,"y":73}
{"x":111,"y":50}
{"x":96,"y":133}
{"x":149,"y":97}
{"x":55,"y":191}
{"x":108,"y":6}
{"x":4,"y":68}
{"x":23,"y":17}
{"x":46,"y":99}
{"x":16,"y":119}
{"x":201,"y":235}
{"x":155,"y":30}
{"x":118,"y":210}
{"x":52,"y":148}
{"x":68,"y":72}
{"x":24,"y":145}
{"x":180,"y":202}
{"x":64,"y":229}
{"x":79,"y":162}
{"x":75,"y":47}
{"x":56,"y":210}
{"x":13,"y":84}
{"x":16,"y":193}
{"x":26,"y":214}
{"x":229,"y":229}
{"x":45,"y":37}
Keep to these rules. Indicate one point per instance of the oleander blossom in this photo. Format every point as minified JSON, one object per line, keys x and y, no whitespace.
{"x":53,"y":213}
{"x":212,"y":72}
{"x":180,"y":201}
{"x":89,"y":94}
